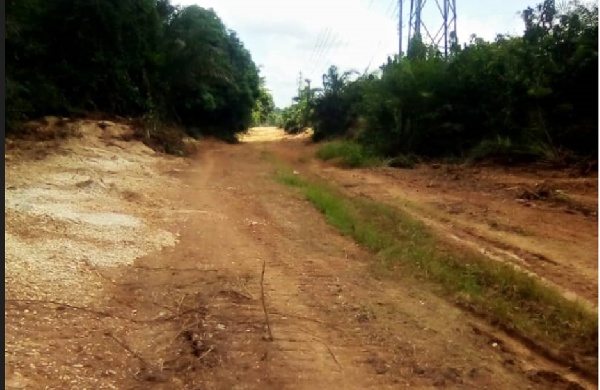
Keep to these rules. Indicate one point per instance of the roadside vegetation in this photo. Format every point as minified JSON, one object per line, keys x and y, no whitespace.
{"x":530,"y":99}
{"x":175,"y":67}
{"x":518,"y":99}
{"x":506,"y":297}
{"x":348,"y":154}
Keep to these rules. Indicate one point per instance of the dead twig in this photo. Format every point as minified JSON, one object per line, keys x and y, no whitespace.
{"x":184,"y":328}
{"x":180,"y":302}
{"x":147,"y":268}
{"x":205,"y":353}
{"x":100,"y":313}
{"x":62,"y":305}
{"x":332,"y":355}
{"x":128,"y":349}
{"x":174,"y":317}
{"x":264,"y":305}
{"x":101,"y":275}
{"x":148,"y":371}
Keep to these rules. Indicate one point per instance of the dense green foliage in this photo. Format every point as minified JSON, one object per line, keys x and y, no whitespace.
{"x":130,"y":58}
{"x":348,"y":154}
{"x":299,"y":115}
{"x":265,"y":113}
{"x":528,"y":97}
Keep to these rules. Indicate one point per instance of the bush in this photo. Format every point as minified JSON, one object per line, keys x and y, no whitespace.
{"x":502,"y":151}
{"x":169,"y":139}
{"x":348,"y":154}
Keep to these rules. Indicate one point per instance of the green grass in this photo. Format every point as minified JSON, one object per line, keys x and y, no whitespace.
{"x":507,"y":298}
{"x":348,"y":154}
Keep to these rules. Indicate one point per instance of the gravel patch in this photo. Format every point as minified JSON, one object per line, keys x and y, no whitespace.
{"x":65,"y":214}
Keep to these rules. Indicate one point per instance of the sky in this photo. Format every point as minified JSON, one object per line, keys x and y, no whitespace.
{"x":286,"y":37}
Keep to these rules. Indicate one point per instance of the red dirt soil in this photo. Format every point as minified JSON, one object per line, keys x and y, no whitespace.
{"x":190,"y":315}
{"x":491,"y":209}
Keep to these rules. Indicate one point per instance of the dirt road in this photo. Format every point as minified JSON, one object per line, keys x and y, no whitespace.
{"x":189,"y":313}
{"x":492,"y":209}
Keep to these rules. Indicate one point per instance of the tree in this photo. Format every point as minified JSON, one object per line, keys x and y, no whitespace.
{"x":128,"y":57}
{"x":299,"y":115}
{"x":331,"y":112}
{"x":527,"y":97}
{"x":213,"y":82}
{"x":264,"y":106}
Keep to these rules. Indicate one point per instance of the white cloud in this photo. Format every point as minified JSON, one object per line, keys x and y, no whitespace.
{"x":282,"y":35}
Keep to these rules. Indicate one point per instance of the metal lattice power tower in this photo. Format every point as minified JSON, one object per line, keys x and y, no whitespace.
{"x":441,"y":23}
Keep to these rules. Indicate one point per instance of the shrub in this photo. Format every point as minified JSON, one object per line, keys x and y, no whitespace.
{"x":348,"y":154}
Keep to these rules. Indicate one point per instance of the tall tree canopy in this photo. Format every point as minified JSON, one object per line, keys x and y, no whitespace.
{"x":128,"y":57}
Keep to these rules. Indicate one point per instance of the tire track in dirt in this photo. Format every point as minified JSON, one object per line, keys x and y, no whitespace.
{"x":572,"y":279}
{"x":222,"y":346}
{"x":334,"y":326}
{"x":518,"y":355}
{"x":304,"y":350}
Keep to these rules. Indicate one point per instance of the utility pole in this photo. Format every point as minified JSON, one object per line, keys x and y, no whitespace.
{"x":308,"y":102}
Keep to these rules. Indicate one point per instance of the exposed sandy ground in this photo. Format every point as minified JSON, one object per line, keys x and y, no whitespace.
{"x":127,"y":270}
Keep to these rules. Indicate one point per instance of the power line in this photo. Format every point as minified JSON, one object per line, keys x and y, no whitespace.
{"x":396,"y":11}
{"x":327,"y":48}
{"x":373,"y":56}
{"x":326,"y":41}
{"x":317,"y":52}
{"x":324,"y":49}
{"x":324,"y":45}
{"x":332,"y":51}
{"x":318,"y":41}
{"x":333,"y":54}
{"x":389,"y":11}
